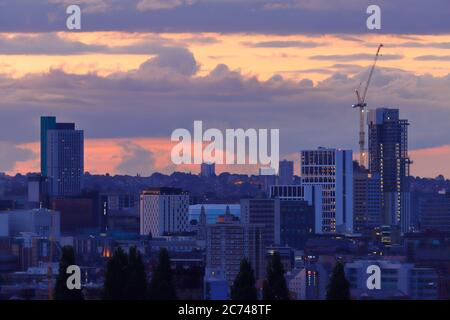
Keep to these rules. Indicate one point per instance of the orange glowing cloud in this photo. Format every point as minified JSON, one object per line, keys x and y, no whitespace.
{"x":107,"y":156}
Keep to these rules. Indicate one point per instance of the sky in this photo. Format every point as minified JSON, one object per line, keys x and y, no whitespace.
{"x":139,"y":69}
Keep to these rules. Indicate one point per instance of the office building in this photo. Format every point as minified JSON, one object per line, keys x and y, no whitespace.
{"x":398,"y":280}
{"x":265,"y":212}
{"x":308,"y":282}
{"x":77,"y":214}
{"x":228,"y":242}
{"x":388,"y":156}
{"x":208,"y":170}
{"x":286,"y":172}
{"x":62,"y":157}
{"x":434,"y":212}
{"x":38,"y":222}
{"x":332,"y":169}
{"x":367,"y":210}
{"x":119,"y":212}
{"x":215,"y":285}
{"x":296,"y":223}
{"x":163,"y":211}
{"x":312,"y":194}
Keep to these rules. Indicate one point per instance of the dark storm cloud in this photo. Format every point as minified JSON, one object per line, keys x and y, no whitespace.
{"x":260,"y":16}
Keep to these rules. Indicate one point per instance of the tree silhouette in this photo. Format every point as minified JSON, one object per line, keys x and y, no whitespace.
{"x":338,"y":287}
{"x":274,"y":287}
{"x":62,"y":292}
{"x":161,"y":285}
{"x":244,"y":285}
{"x":116,"y":276}
{"x":136,"y":284}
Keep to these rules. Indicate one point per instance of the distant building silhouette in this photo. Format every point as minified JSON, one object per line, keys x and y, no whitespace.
{"x":208,"y":170}
{"x":286,"y":172}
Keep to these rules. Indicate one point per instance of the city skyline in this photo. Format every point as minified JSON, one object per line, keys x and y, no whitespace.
{"x":129,"y":87}
{"x":205,"y":150}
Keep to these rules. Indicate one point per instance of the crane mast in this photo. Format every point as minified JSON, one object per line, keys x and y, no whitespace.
{"x":361,"y":104}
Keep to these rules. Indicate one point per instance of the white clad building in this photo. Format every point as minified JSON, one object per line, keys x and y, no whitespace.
{"x":332,"y":169}
{"x":163,"y":211}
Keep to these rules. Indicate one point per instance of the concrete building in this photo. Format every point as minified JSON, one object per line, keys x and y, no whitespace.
{"x":77,"y":214}
{"x":227,"y":243}
{"x":398,"y":280}
{"x":163,"y":211}
{"x":286,"y":172}
{"x":265,"y":212}
{"x":215,"y":285}
{"x":332,"y":169}
{"x":388,"y":156}
{"x":367,"y":200}
{"x":312,"y":194}
{"x":39,"y":222}
{"x":297,"y":223}
{"x":434,"y":212}
{"x":120,"y":212}
{"x":307,"y":283}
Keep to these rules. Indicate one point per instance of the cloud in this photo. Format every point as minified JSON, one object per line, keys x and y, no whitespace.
{"x":167,"y":93}
{"x":179,"y":60}
{"x":88,"y":6}
{"x":229,"y":16}
{"x":54,"y":44}
{"x":283,"y":44}
{"x":44,"y":44}
{"x":432,"y":58}
{"x":145,"y":5}
{"x":354,"y":57}
{"x":10,"y":154}
{"x":415,"y":44}
{"x":135,"y":160}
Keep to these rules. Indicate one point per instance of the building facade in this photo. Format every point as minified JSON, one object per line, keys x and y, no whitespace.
{"x":286,"y":172}
{"x":388,"y":156}
{"x":62,"y":157}
{"x":163,"y":211}
{"x":332,"y":169}
{"x":398,"y":280}
{"x":265,"y":212}
{"x":229,"y":242}
{"x":367,"y":210}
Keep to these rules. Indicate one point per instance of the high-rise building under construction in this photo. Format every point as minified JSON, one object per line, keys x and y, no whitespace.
{"x":388,"y":156}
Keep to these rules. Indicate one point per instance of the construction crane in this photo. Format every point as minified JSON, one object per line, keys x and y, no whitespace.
{"x":361,"y":104}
